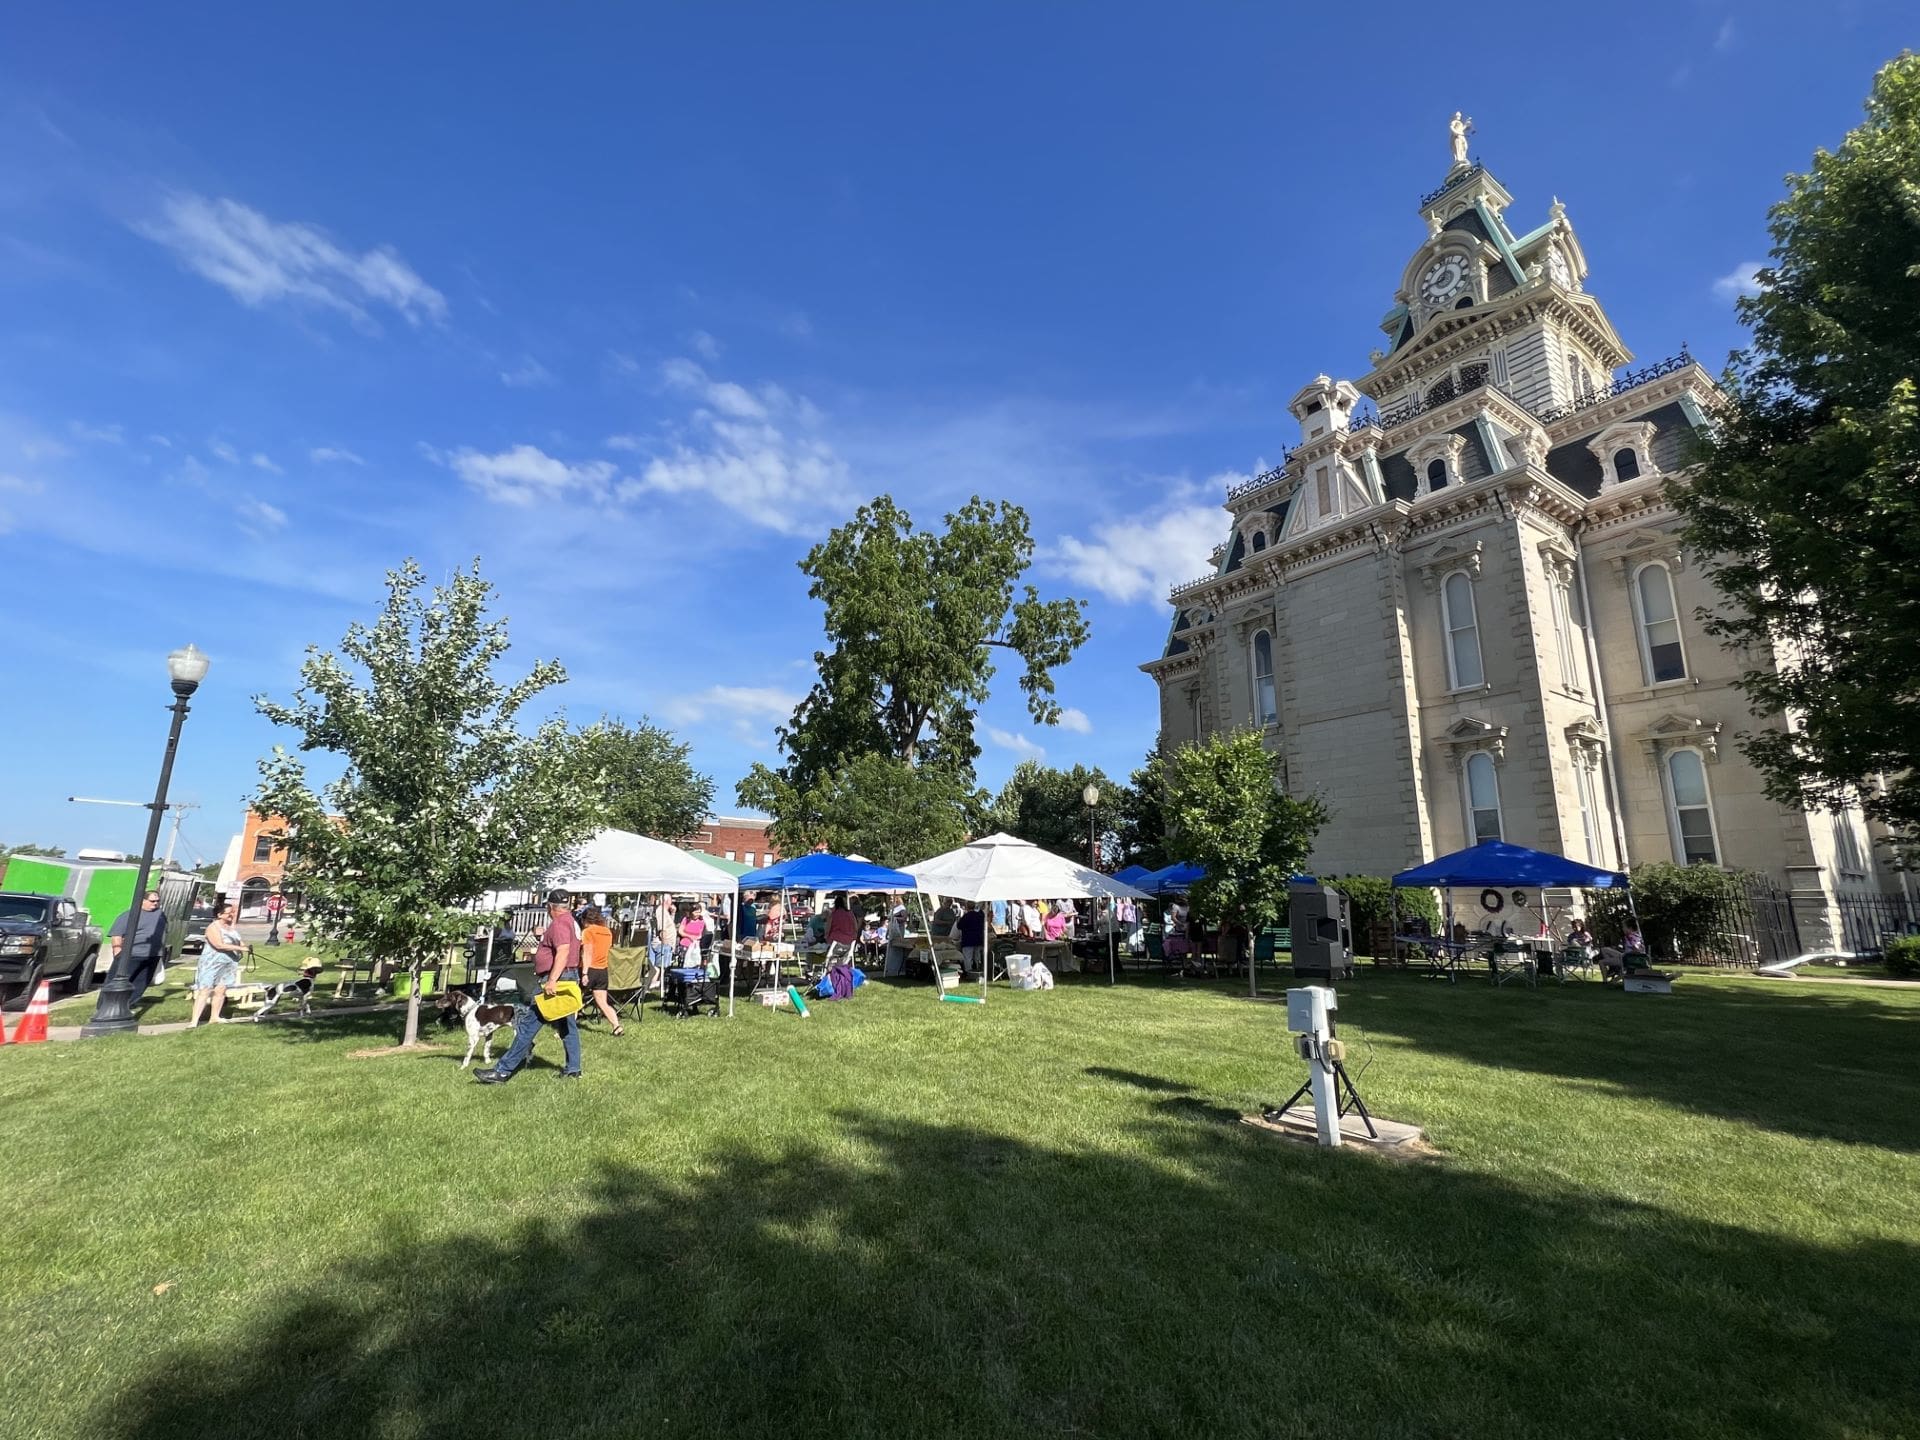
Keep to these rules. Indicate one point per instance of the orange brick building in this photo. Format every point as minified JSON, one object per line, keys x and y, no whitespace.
{"x":261,"y":860}
{"x":734,"y":837}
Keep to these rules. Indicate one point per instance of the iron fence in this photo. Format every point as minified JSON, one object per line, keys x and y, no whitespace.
{"x":1762,"y":924}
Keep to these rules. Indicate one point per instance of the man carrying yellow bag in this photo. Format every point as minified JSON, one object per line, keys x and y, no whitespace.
{"x":557,"y":964}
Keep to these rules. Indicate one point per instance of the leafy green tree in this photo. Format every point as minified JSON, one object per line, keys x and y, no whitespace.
{"x":1805,"y":501}
{"x":1048,"y":807}
{"x":41,"y":852}
{"x":442,"y":796}
{"x":878,"y":806}
{"x":1232,"y":819}
{"x":912,"y":619}
{"x":1683,"y":909}
{"x":1373,"y":901}
{"x":650,"y":786}
{"x":1140,"y":835}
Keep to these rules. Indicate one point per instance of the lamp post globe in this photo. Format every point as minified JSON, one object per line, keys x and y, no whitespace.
{"x":186,"y":668}
{"x":1091,"y":795}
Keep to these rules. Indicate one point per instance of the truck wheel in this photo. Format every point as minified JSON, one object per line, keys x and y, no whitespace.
{"x":83,"y":974}
{"x":18,"y":999}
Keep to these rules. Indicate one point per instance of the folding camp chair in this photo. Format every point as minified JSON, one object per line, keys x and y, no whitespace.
{"x":1509,"y":963}
{"x":627,"y":981}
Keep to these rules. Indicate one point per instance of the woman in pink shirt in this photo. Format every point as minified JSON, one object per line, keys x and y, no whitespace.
{"x":1055,"y":924}
{"x":691,"y":930}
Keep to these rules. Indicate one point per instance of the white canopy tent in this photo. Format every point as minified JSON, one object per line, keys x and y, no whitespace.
{"x":617,"y":861}
{"x":1005,"y":867}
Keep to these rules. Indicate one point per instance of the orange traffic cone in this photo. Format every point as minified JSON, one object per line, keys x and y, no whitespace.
{"x":33,"y":1024}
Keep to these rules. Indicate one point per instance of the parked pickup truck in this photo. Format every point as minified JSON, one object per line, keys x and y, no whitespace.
{"x":43,"y":937}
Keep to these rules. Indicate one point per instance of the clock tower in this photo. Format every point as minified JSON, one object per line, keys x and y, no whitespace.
{"x":1482,"y":303}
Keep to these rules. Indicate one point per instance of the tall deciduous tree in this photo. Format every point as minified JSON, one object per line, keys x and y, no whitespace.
{"x":442,"y":796}
{"x":648,"y":784}
{"x":877,"y":806}
{"x":913,"y":618}
{"x":1805,"y":503}
{"x":1048,"y":807}
{"x":1141,"y":837}
{"x":1233,"y":820}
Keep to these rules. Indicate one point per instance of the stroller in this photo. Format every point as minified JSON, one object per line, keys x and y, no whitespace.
{"x":689,"y":991}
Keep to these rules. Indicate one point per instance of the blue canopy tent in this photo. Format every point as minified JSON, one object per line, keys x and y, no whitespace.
{"x":1171,"y":879}
{"x":821,"y":871}
{"x":1495,"y":864}
{"x":1132,"y":875}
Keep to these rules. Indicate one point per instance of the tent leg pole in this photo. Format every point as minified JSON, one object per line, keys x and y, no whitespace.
{"x":1113,"y":961}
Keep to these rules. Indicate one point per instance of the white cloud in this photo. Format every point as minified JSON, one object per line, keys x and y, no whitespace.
{"x":1724,"y":37}
{"x":622,"y":442}
{"x":258,"y":518}
{"x":333,"y":455}
{"x":264,"y":462}
{"x":223,"y":451}
{"x":529,"y":375}
{"x":162,"y":441}
{"x":1743,"y":279}
{"x":524,"y":474}
{"x":43,"y":447}
{"x":1075,"y":720}
{"x":14,"y":485}
{"x":1018,"y":744}
{"x":99,"y":434}
{"x":748,"y":711}
{"x":704,"y":345}
{"x":754,"y":451}
{"x":260,"y":261}
{"x":1142,"y":559}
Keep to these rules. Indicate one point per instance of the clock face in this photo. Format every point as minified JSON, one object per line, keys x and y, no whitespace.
{"x":1443,"y":278}
{"x":1558,"y":268}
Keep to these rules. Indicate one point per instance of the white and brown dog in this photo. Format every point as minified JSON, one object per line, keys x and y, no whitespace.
{"x":460,"y":1006}
{"x":302,"y":988}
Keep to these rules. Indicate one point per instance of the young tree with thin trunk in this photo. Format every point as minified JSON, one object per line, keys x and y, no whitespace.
{"x":442,"y":797}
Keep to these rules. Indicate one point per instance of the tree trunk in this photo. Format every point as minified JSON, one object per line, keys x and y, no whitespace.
{"x":412,"y":1036}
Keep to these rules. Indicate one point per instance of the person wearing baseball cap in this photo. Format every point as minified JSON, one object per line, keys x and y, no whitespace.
{"x":557,"y":959}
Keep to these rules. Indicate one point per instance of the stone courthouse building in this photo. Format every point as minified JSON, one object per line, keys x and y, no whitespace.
{"x":1459,"y":609}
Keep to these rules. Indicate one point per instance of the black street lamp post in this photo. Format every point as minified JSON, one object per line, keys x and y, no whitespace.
{"x":1092,"y":796}
{"x":113,"y":1014}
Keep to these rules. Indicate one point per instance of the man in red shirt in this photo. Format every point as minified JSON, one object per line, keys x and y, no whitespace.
{"x":557,"y":959}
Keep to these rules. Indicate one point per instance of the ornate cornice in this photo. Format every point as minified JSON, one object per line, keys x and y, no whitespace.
{"x":1469,"y":733}
{"x":1680,"y":732}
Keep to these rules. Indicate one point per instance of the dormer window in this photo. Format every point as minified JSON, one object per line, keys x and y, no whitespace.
{"x":1625,"y":452}
{"x":1441,"y":393}
{"x":1259,"y":541}
{"x":1436,"y":462}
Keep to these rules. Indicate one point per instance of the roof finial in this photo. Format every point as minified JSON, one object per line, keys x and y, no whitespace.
{"x":1558,"y":211}
{"x":1459,"y":128}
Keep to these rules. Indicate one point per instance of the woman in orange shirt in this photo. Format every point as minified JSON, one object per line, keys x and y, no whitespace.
{"x":596,"y":940}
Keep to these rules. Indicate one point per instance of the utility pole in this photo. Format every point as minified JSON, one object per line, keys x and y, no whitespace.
{"x":179,"y":808}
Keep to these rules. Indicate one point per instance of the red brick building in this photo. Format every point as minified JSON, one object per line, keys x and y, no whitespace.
{"x":734,"y":837}
{"x":261,"y":861}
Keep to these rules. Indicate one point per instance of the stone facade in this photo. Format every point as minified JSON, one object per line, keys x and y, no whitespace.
{"x":1459,"y":607}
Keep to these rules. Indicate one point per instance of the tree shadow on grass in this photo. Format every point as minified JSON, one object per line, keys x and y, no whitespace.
{"x":917,"y":1279}
{"x":1833,"y":1067}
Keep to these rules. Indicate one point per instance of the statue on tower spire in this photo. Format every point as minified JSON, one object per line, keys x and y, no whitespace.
{"x":1459,"y":128}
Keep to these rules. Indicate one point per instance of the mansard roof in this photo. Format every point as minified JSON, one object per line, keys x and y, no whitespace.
{"x":1576,"y":466}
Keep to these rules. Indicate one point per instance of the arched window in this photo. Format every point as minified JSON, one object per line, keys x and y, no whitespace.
{"x":1626,"y":464}
{"x":1265,"y":710}
{"x":1436,"y":474}
{"x":1659,"y":626}
{"x":1441,"y":393}
{"x":1690,"y":809}
{"x":1464,"y":670}
{"x":1259,"y":541}
{"x":1482,"y":791}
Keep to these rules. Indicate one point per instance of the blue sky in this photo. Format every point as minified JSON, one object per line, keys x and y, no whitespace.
{"x":632,"y":304}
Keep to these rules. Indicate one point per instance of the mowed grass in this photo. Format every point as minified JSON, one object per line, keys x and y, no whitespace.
{"x":1687,"y":1216}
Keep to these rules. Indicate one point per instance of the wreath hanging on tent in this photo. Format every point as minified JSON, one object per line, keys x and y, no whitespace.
{"x":1492,"y":901}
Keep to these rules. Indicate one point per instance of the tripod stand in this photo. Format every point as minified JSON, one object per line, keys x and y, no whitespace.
{"x":1332,"y":1054}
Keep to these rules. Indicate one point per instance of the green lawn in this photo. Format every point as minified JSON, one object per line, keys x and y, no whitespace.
{"x":1685,"y":1216}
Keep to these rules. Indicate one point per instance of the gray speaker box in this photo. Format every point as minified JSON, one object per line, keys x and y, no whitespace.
{"x":1322,"y":923}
